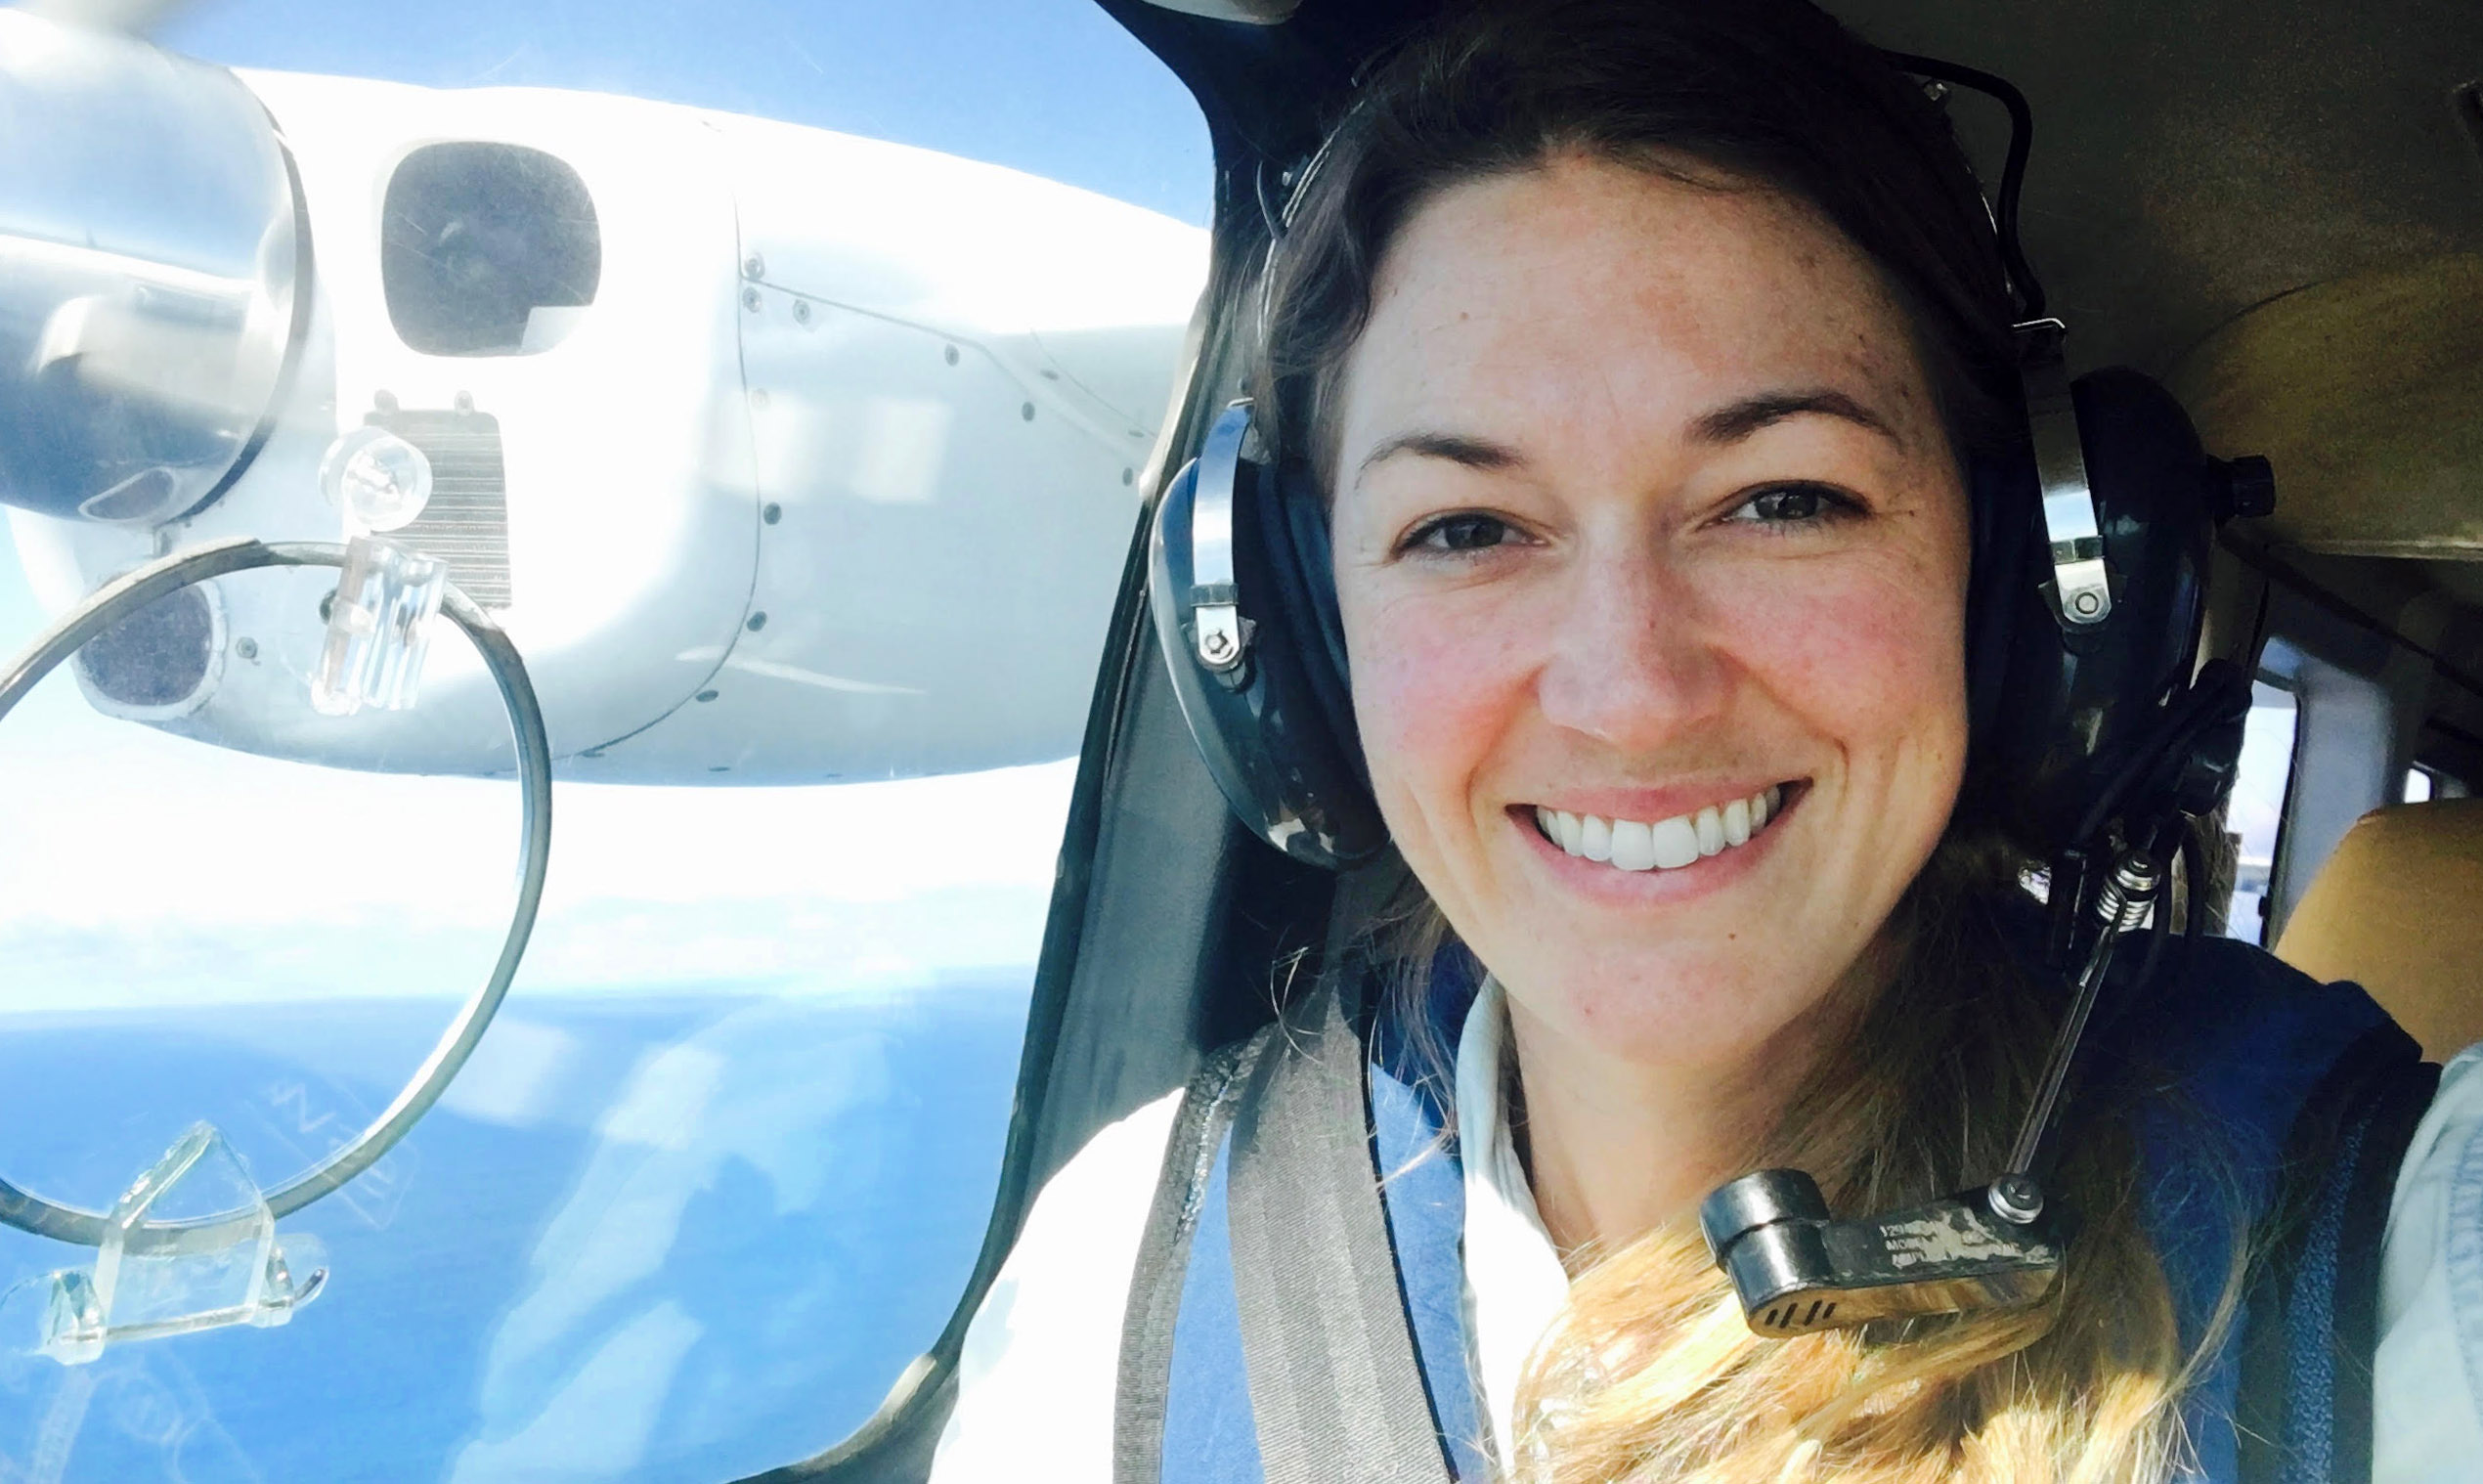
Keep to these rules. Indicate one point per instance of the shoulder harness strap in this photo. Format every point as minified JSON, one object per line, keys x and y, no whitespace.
{"x":2305,"y":1409}
{"x":1163,"y":1257}
{"x":1334,"y":1379}
{"x":1335,"y":1385}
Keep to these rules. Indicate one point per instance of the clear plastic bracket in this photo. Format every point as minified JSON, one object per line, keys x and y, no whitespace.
{"x":190,"y":1245}
{"x":378,"y":628}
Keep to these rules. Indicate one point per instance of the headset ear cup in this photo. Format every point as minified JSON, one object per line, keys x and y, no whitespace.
{"x":2069,"y":704}
{"x":1259,"y":724}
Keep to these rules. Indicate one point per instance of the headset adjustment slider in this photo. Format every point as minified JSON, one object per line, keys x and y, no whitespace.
{"x":1219,"y":635}
{"x":2081,"y":588}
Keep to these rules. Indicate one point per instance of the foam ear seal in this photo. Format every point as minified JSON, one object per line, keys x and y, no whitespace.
{"x":1303,"y":568}
{"x":2005,"y":512}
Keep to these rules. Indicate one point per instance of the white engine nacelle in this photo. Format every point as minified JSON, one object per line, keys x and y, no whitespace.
{"x":782,"y":456}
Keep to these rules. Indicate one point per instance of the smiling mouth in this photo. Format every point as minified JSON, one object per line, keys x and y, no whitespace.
{"x":1667,"y":845}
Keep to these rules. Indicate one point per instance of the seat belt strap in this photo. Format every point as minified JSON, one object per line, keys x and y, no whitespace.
{"x":1336,"y":1389}
{"x":1149,"y":1323}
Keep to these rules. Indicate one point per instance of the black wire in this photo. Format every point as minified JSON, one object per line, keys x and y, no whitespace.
{"x":2159,"y":931}
{"x":2159,"y":935}
{"x":2189,"y":712}
{"x":2022,"y":285}
{"x":2194,"y":877}
{"x":1270,"y":211}
{"x":2249,"y":659}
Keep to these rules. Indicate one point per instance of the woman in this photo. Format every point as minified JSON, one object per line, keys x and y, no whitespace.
{"x":1643,"y":354}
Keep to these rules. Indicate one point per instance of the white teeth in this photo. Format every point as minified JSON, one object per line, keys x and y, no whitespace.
{"x":1632,"y":845}
{"x":1668,"y":844}
{"x":1676,"y":842}
{"x":1594,"y":838}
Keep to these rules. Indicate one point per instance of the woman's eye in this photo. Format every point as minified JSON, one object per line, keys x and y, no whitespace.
{"x":1461,"y":533}
{"x":1792,"y":504}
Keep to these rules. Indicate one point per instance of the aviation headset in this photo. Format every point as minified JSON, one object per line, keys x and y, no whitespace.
{"x":2086,"y":600}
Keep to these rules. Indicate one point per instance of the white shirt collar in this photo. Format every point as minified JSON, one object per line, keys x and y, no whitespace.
{"x":1514,"y":1283}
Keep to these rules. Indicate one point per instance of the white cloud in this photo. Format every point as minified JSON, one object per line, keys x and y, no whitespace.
{"x":138,"y":868}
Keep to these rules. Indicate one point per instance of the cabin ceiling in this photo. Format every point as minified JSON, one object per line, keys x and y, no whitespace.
{"x":2195,"y":158}
{"x":2192,"y":158}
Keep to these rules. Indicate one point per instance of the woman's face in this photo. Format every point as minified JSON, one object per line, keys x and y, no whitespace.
{"x":1648,"y":530}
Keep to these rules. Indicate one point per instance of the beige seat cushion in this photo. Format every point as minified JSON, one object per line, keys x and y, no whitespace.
{"x":2399,"y":910}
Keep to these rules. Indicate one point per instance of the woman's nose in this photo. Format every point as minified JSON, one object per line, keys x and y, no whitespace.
{"x":1634,"y":660}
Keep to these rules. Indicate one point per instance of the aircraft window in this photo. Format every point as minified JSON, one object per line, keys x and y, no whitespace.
{"x":858,"y":324}
{"x":2255,"y":817}
{"x":487,"y":249}
{"x":2425,"y":783}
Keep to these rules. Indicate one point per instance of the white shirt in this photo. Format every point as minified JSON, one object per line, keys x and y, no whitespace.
{"x":1041,"y":1360}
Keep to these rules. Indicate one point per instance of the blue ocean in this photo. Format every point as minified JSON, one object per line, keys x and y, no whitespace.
{"x":649,"y":1237}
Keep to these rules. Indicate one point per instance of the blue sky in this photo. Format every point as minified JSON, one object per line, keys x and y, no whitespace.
{"x":1051,"y":87}
{"x":137,"y":868}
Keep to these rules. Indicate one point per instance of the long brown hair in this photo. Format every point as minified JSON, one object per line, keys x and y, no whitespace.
{"x":1652,"y":1374}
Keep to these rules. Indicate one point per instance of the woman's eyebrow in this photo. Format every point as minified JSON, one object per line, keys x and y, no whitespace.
{"x":1456,"y":447}
{"x":1729,"y":424}
{"x":1736,"y":420}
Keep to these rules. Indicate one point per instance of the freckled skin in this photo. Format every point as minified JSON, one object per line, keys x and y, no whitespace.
{"x":1640,"y":630}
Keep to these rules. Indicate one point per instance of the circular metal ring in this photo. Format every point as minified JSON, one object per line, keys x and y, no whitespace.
{"x":125,"y":596}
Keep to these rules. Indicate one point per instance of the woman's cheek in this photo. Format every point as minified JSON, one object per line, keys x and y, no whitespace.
{"x":1433,"y":683}
{"x":1872,"y":655}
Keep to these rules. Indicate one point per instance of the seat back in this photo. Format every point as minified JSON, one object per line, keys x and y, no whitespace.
{"x":2399,"y":910}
